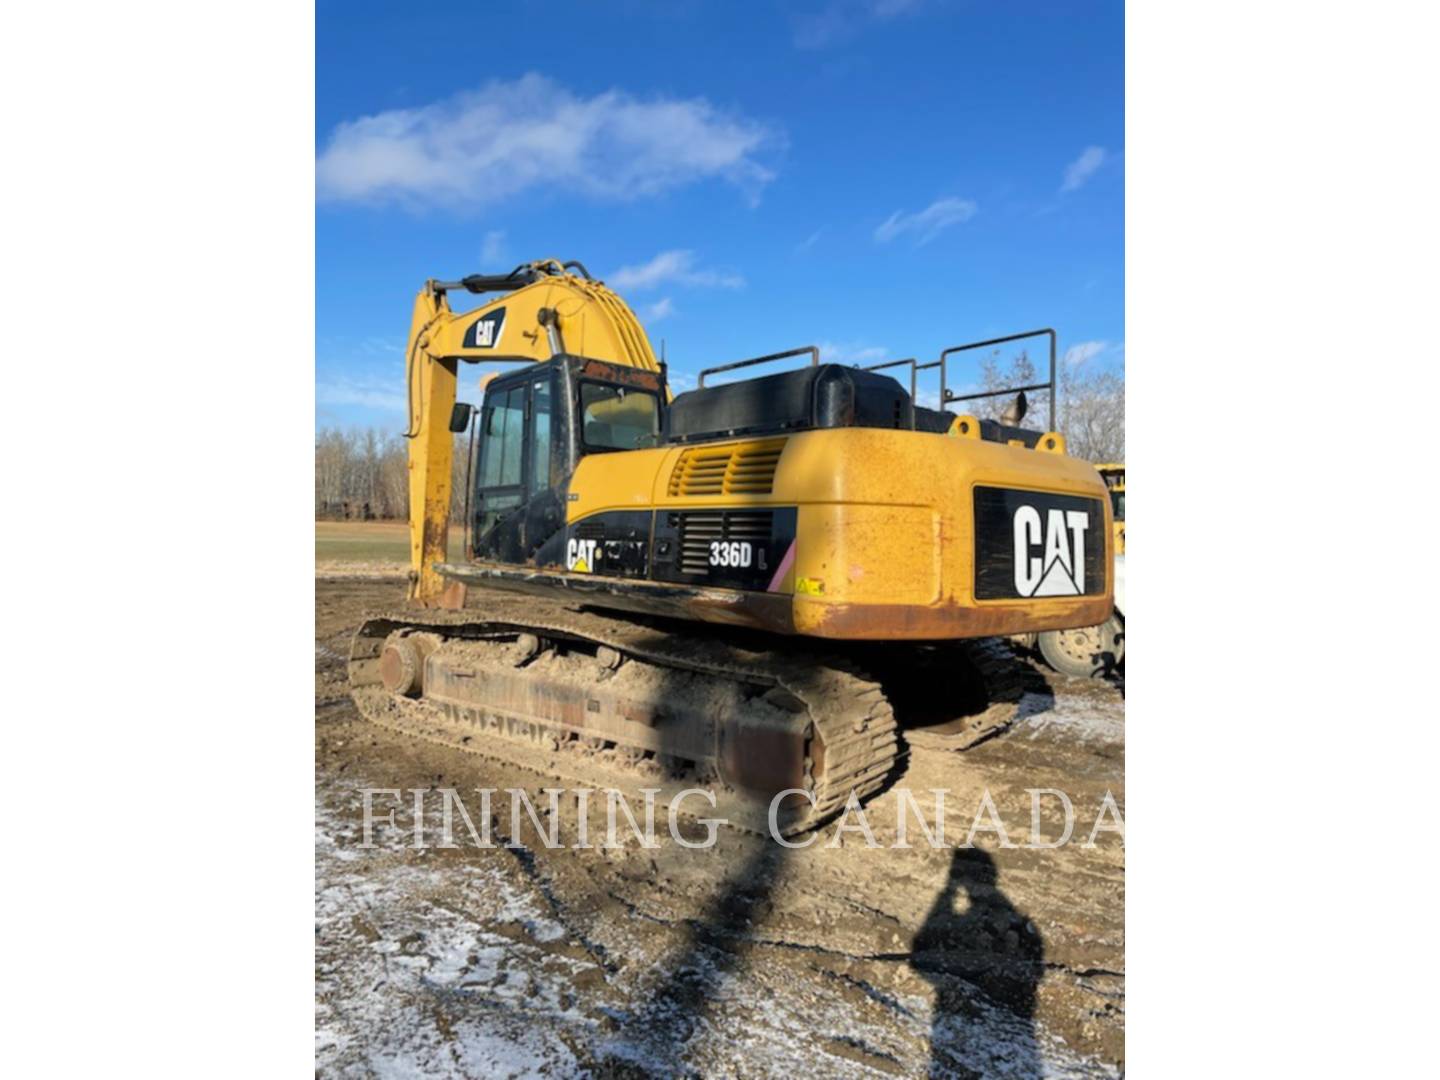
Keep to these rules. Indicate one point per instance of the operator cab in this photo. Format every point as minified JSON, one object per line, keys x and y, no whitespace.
{"x":534,"y":427}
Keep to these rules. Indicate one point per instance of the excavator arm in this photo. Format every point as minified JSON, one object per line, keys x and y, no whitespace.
{"x":547,"y":308}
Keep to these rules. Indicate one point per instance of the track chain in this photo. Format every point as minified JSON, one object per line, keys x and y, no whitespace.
{"x":1004,"y":681}
{"x":849,"y":712}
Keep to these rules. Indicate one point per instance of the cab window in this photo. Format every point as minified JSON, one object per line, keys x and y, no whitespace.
{"x":504,"y":440}
{"x":540,"y":458}
{"x":617,"y":417}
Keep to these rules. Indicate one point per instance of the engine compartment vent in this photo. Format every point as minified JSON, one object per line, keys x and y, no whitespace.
{"x":735,"y":469}
{"x":700,"y":528}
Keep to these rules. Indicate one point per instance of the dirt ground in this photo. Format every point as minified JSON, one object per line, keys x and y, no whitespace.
{"x":745,"y":959}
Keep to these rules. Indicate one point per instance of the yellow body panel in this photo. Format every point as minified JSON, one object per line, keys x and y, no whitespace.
{"x":895,"y":550}
{"x":630,"y":480}
{"x":885,"y":546}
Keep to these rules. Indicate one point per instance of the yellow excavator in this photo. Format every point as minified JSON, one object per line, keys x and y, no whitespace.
{"x":663,"y":592}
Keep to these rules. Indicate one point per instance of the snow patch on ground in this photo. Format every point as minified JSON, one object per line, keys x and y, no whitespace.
{"x":425,"y":971}
{"x":1083,"y":719}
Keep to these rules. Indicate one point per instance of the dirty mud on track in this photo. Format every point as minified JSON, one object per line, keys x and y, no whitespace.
{"x":742,"y":960}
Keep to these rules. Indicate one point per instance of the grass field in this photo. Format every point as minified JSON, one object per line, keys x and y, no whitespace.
{"x":370,"y":541}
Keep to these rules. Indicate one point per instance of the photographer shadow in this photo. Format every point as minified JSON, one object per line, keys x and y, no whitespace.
{"x":990,"y":946}
{"x":656,"y":1040}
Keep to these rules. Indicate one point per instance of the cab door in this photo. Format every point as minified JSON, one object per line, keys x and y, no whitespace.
{"x":515,"y":508}
{"x":500,"y":479}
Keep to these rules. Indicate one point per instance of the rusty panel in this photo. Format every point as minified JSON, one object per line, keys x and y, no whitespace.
{"x":732,"y":607}
{"x":761,"y":759}
{"x":585,"y":710}
{"x":904,"y":622}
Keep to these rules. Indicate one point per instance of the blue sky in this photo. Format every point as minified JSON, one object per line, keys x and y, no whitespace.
{"x":883,"y":178}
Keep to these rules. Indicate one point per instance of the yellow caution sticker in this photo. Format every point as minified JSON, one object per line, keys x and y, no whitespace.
{"x":810,"y":586}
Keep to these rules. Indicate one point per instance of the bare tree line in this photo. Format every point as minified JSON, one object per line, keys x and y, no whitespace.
{"x":361,"y":474}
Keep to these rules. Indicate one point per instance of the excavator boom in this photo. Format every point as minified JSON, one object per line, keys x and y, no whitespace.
{"x":545,"y":307}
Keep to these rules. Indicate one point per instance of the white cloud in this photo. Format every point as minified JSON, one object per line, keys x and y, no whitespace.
{"x":676,"y":267}
{"x":370,"y":392}
{"x":382,"y":346}
{"x":492,"y":251}
{"x":1083,"y":167}
{"x":1076,"y":355}
{"x":854,"y":353}
{"x":661,"y":309}
{"x":928,"y":223}
{"x":810,"y":241}
{"x":483,"y":145}
{"x":837,"y":21}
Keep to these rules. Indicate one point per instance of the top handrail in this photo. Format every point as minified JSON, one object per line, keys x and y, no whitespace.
{"x":811,"y":349}
{"x":946,"y":396}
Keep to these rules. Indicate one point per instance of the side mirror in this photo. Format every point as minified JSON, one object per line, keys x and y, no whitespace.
{"x":460,"y":416}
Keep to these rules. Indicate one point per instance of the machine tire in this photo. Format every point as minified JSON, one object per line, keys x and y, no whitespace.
{"x":1089,"y":653}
